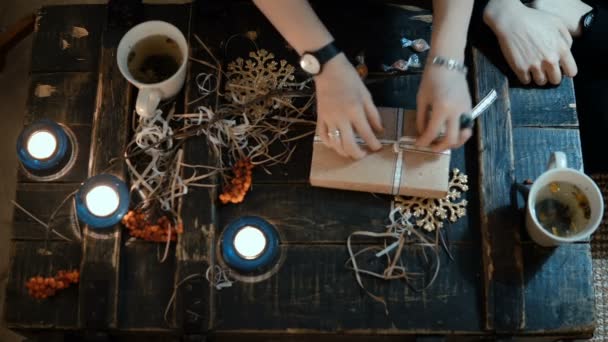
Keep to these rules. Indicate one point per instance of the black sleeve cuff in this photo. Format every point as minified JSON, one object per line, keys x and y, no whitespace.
{"x":592,"y":45}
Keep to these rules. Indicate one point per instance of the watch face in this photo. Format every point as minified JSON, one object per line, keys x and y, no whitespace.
{"x":588,"y":21}
{"x":310,"y":64}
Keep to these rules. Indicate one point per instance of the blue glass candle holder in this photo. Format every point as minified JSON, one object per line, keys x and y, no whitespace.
{"x":250,"y":244}
{"x":43,"y":146}
{"x":102,"y":201}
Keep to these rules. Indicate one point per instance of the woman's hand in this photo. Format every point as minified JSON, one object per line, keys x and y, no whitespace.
{"x":442,"y":97}
{"x":532,"y":41}
{"x":345,"y":105}
{"x":569,"y":11}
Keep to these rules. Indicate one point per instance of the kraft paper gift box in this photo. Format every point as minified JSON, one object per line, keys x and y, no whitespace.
{"x":401,"y":169}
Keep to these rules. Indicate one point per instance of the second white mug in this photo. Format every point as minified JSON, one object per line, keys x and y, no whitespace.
{"x":150,"y":94}
{"x":557,"y":175}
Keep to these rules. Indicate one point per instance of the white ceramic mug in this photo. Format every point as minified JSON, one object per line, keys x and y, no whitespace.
{"x":558,"y":171}
{"x":150,"y":94}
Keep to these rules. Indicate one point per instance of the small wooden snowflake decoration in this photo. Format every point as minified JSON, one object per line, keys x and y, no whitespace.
{"x":250,"y":80}
{"x":430,"y":213}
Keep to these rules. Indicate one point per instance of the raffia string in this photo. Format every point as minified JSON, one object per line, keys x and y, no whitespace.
{"x":406,"y":215}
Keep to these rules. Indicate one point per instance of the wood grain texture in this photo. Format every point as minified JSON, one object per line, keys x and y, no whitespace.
{"x":41,"y":199}
{"x":503,"y":267}
{"x":70,"y":37}
{"x":146,"y":285}
{"x":100,"y":266}
{"x":544,"y":106}
{"x":24,"y":312}
{"x":194,"y":307}
{"x":533,"y":148}
{"x":65,"y":97}
{"x":559,"y":289}
{"x":305,"y":214}
{"x":313,"y":291}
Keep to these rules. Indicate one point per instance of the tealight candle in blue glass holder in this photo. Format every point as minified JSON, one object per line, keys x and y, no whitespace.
{"x":44,"y":147}
{"x":102,"y":201}
{"x":250,"y":244}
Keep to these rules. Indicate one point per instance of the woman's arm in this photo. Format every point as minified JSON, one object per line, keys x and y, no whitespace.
{"x":297,"y":22}
{"x":444,"y":93}
{"x":343,"y":102}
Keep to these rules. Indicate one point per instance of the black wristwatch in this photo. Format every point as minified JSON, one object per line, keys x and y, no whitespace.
{"x":312,"y":62}
{"x":587,"y":20}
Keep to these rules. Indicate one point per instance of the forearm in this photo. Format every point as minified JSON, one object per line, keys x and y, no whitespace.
{"x":451,"y":21}
{"x":498,"y":12}
{"x":297,"y":22}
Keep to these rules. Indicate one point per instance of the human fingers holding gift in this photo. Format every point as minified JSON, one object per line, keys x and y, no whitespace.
{"x":344,"y":105}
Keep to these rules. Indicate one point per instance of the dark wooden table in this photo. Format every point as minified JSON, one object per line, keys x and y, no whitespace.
{"x":499,"y":283}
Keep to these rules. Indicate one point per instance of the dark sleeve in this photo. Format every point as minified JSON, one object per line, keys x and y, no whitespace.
{"x":478,"y":30}
{"x":592,"y":45}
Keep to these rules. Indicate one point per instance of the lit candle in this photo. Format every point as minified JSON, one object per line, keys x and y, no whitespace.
{"x":102,"y":200}
{"x":41,"y":144}
{"x":249,"y":242}
{"x":44,"y":148}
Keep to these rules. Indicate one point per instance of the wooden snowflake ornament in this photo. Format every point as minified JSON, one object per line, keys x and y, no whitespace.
{"x":257,"y":76}
{"x":429,"y":213}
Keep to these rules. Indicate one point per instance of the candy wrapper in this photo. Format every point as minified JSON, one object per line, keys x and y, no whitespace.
{"x":362,"y":69}
{"x":397,"y":168}
{"x":402,"y":65}
{"x":419,"y":45}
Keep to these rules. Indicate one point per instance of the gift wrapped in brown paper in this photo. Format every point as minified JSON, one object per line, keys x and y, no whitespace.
{"x":398,"y":168}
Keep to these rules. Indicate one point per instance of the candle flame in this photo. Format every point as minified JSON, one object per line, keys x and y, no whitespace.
{"x":250,"y":242}
{"x":102,"y":200}
{"x":41,"y":144}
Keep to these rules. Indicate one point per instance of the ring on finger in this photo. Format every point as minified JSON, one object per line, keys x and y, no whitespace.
{"x":334,"y":134}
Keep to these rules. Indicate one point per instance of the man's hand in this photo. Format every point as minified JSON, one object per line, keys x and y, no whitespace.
{"x":535,"y":43}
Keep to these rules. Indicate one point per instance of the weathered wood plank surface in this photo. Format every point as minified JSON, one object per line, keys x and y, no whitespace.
{"x":314,"y":291}
{"x":124,"y":287}
{"x":65,"y":97}
{"x":58,"y":312}
{"x":559,"y":289}
{"x":41,"y":200}
{"x":195,"y":250}
{"x":544,"y":106}
{"x":99,"y":293}
{"x":146,"y":284}
{"x":70,"y":37}
{"x":502,"y":256}
{"x":533,"y":147}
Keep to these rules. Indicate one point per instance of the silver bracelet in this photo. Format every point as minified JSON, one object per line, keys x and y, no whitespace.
{"x":451,"y":64}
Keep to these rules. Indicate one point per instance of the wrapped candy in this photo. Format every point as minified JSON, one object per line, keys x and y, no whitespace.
{"x":361,"y":67}
{"x":402,"y":65}
{"x":419,"y":45}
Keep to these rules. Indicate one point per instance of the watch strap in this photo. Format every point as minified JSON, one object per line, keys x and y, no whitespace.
{"x":326,"y":53}
{"x":588,"y":19}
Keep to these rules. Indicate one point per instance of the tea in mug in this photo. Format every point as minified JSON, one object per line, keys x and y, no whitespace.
{"x":154,"y":59}
{"x":562,"y":209}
